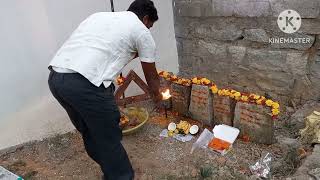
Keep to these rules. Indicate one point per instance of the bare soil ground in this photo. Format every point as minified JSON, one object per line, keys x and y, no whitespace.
{"x":153,"y":157}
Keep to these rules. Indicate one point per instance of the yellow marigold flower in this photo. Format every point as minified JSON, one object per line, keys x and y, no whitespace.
{"x":256,"y":97}
{"x":244,"y":98}
{"x":166,"y":74}
{"x":269,"y":102}
{"x":275,"y":112}
{"x":275,"y":105}
{"x":227,"y":93}
{"x":262,"y":98}
{"x":194,"y":80}
{"x":237,"y":98}
{"x":205,"y":81}
{"x":233,"y":91}
{"x":237,"y":94}
{"x":214,"y":89}
{"x":220,"y":92}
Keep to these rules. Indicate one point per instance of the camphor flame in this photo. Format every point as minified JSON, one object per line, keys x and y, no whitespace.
{"x":166,"y":95}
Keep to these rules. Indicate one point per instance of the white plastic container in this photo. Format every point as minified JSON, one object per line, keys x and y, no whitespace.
{"x":225,"y":133}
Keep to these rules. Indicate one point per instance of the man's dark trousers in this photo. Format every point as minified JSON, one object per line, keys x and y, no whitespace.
{"x":95,"y":114}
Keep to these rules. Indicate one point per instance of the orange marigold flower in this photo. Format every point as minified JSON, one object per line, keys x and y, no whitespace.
{"x":259,"y":101}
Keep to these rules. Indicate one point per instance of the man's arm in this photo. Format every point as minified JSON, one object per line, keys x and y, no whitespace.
{"x":153,"y":80}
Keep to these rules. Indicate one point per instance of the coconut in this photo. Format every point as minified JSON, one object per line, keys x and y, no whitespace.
{"x":194,"y":129}
{"x":172,"y":126}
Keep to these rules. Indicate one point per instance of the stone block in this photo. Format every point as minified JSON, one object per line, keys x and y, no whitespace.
{"x":310,"y":26}
{"x":223,"y":110}
{"x":241,"y":8}
{"x":252,"y":8}
{"x":266,"y":60}
{"x":256,"y":35}
{"x":306,"y":9}
{"x":230,"y":32}
{"x":180,"y":98}
{"x":255,"y":122}
{"x":237,"y":53}
{"x":195,"y":50}
{"x":192,"y":8}
{"x":218,"y":50}
{"x":201,"y":104}
{"x":297,"y":63}
{"x":223,"y":8}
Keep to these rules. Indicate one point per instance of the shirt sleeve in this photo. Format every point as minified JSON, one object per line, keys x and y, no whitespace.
{"x":146,"y":48}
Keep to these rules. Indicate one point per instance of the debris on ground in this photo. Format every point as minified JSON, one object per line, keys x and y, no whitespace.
{"x":262,"y":168}
{"x":179,"y":137}
{"x":311,"y":133}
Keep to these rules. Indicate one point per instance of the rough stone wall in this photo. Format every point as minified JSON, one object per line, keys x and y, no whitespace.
{"x":228,"y":42}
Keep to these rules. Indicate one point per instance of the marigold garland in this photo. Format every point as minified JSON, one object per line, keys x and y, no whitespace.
{"x":236,"y":95}
{"x":251,"y":98}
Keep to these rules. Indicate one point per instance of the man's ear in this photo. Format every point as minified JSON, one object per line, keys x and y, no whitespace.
{"x":145,"y":19}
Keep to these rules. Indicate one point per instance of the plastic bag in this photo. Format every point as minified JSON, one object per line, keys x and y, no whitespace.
{"x":262,"y":168}
{"x":179,"y":137}
{"x":202,"y":142}
{"x":7,"y":175}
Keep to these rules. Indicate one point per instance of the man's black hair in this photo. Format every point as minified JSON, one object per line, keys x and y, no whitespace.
{"x":144,"y":8}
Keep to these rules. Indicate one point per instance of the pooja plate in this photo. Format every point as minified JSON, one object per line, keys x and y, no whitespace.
{"x":137,"y":119}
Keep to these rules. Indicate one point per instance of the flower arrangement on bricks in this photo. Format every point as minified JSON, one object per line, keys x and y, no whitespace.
{"x":238,"y":96}
{"x":253,"y":99}
{"x":175,"y":79}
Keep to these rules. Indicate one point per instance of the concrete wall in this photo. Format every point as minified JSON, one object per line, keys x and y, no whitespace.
{"x":30,"y":34}
{"x":228,"y":42}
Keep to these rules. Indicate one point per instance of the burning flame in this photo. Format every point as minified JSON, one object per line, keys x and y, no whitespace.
{"x":166,"y":95}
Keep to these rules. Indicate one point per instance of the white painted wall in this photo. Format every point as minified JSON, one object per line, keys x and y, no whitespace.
{"x":31,"y":32}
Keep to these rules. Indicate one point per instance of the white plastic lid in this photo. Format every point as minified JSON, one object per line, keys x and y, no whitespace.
{"x":226,"y":133}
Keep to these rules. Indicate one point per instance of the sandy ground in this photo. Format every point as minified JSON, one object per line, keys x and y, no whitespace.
{"x":153,"y":157}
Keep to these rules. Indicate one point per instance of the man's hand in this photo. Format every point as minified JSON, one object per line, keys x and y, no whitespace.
{"x":153,"y":80}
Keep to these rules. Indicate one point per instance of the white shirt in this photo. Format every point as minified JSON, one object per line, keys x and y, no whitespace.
{"x":103,"y":44}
